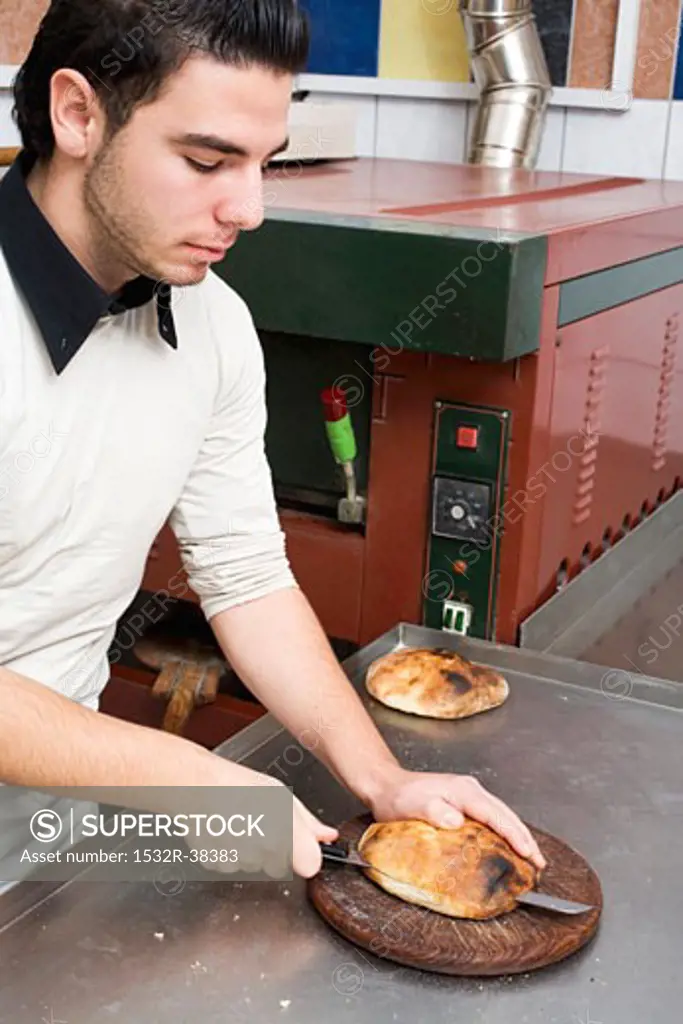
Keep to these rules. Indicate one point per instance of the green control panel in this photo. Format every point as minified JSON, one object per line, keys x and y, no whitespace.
{"x":468,"y":483}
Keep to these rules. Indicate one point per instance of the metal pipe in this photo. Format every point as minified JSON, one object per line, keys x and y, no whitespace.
{"x":350,"y":478}
{"x":510,"y":69}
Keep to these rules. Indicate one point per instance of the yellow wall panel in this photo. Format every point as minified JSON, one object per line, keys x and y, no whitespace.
{"x":423,"y":39}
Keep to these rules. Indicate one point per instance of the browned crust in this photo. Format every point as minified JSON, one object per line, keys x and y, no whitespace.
{"x":435,"y":683}
{"x":468,"y":872}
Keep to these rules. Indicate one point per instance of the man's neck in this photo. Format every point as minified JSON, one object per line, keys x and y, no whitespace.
{"x":58,"y":196}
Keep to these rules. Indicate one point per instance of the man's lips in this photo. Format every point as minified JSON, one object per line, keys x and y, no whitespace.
{"x":212,"y":251}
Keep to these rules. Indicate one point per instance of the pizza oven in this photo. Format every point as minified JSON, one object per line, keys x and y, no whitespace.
{"x":500,"y":349}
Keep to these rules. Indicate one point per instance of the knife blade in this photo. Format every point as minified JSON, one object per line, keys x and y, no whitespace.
{"x":548,"y":902}
{"x":333,"y":851}
{"x":351,"y":857}
{"x":545,"y":901}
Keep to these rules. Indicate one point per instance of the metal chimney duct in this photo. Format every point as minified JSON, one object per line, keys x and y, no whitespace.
{"x":510,"y":69}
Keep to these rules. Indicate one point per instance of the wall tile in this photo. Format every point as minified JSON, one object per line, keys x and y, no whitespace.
{"x":678,"y":67}
{"x":344,"y":36}
{"x":630,"y":143}
{"x":656,"y":55}
{"x":9,"y":136}
{"x":552,"y":140}
{"x":592,"y":51}
{"x":423,"y":39}
{"x":366,"y":112}
{"x":673,"y":168}
{"x":19,"y":20}
{"x":409,"y":129}
{"x":554,"y":21}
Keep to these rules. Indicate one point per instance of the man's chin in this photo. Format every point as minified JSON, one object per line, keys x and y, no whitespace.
{"x":180,"y":276}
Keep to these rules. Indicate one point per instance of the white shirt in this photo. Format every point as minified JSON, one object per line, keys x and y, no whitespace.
{"x":95,"y":459}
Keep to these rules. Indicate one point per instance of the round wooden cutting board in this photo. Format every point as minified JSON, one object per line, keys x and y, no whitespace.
{"x":525,"y":939}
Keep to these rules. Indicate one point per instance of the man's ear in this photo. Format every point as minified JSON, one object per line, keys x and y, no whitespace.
{"x":75,"y":112}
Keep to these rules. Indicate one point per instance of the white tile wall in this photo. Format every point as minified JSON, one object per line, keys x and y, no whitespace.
{"x":673,"y":168}
{"x":421,"y":129}
{"x":552,"y":141}
{"x":365,"y":108}
{"x":628,"y":143}
{"x":9,"y":136}
{"x":646,"y":140}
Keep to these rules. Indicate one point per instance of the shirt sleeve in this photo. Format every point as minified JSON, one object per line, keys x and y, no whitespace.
{"x":226,"y":520}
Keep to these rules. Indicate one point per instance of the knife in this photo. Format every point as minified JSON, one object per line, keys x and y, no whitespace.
{"x":333,"y":851}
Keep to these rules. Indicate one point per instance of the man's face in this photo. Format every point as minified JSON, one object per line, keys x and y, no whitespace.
{"x":163,"y":200}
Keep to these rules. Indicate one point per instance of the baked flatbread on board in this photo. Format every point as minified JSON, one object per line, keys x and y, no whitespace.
{"x":467,"y":872}
{"x":435,"y":683}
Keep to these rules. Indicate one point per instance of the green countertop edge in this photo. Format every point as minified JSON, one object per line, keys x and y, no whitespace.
{"x":365,"y":279}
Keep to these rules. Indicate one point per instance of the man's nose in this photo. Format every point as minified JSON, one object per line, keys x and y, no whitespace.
{"x":246,"y":209}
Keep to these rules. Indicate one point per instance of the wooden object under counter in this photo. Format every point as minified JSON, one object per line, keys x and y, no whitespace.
{"x":128,"y":696}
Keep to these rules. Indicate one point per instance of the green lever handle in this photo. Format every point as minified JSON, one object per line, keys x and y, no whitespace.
{"x":338,"y":425}
{"x":342,"y":439}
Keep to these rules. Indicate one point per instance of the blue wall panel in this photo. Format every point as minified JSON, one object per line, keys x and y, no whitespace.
{"x":344,"y":36}
{"x":678,"y":70}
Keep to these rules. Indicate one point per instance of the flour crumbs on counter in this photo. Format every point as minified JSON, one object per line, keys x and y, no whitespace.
{"x":284,"y":1003}
{"x":111,"y":1008}
{"x":159,"y":936}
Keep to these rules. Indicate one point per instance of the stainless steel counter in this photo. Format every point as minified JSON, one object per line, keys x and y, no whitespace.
{"x":592,"y":761}
{"x":649,"y":637}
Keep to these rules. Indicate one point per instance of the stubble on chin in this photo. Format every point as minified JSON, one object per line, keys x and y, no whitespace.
{"x":120,"y":228}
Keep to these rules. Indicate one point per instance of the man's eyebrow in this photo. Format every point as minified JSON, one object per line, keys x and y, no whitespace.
{"x":223,"y":145}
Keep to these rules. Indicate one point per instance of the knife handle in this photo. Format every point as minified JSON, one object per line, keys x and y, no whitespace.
{"x":333,"y":850}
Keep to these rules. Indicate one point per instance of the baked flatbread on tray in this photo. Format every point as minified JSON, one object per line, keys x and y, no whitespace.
{"x":435,"y":683}
{"x":467,"y":872}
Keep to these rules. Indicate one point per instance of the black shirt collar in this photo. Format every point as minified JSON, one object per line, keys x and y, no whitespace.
{"x":64,"y":299}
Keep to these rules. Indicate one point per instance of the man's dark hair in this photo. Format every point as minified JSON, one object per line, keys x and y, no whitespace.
{"x":127,"y":48}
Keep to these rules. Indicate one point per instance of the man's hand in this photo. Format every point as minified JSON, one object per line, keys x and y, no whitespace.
{"x":298,"y":678}
{"x":271,"y":858}
{"x":309,"y":832}
{"x":443,"y":800}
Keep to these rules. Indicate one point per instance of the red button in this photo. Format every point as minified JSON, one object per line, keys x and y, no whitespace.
{"x":467,"y":437}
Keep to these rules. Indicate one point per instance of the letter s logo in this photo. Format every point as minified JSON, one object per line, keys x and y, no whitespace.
{"x":46,"y":826}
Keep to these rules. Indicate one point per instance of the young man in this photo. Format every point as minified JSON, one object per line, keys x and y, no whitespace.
{"x":132,"y":387}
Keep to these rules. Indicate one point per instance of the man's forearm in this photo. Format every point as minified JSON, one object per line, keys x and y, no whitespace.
{"x":48,"y":741}
{"x":279,"y":650}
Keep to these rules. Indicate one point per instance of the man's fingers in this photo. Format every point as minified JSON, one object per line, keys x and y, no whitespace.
{"x":512,"y":828}
{"x":444,"y":814}
{"x":307,"y":859}
{"x":489,"y":810}
{"x":323,"y":833}
{"x":309,"y":832}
